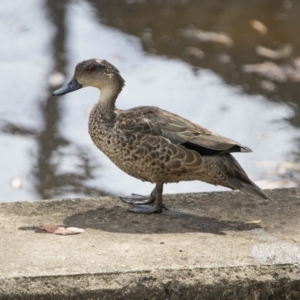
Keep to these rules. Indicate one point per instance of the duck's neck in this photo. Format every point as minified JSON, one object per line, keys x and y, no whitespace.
{"x":107,"y":100}
{"x":109,"y":94}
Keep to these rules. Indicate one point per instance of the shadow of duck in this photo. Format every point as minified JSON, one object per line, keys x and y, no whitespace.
{"x":171,"y":221}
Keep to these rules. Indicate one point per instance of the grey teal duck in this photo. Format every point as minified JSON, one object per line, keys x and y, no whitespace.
{"x":155,"y":145}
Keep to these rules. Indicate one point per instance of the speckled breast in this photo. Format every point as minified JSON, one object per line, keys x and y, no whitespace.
{"x":148,"y":158}
{"x":122,"y":148}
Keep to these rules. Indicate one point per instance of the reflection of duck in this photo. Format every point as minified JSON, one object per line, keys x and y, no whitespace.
{"x":154,"y":145}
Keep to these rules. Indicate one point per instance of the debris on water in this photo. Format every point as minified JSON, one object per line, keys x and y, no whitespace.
{"x":207,"y":36}
{"x":275,"y":184}
{"x":274,"y":72}
{"x":266,"y":164}
{"x":294,"y":71}
{"x":259,"y":27}
{"x":279,"y":165}
{"x":287,"y":4}
{"x":268,"y":85}
{"x":287,"y":166}
{"x":147,"y":35}
{"x":287,"y":172}
{"x":283,"y":52}
{"x":225,"y":58}
{"x":296,"y":63}
{"x":267,"y":69}
{"x":193,"y":51}
{"x":16,"y":183}
{"x":56,"y":79}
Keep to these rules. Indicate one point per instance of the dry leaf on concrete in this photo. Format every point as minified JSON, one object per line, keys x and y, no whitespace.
{"x":61,"y":230}
{"x":252,"y":222}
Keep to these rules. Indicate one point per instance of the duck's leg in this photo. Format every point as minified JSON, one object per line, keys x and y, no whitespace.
{"x":136,"y":199}
{"x":149,"y":209}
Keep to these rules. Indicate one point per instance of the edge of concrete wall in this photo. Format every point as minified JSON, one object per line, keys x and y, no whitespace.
{"x":218,"y":263}
{"x":249,"y":282}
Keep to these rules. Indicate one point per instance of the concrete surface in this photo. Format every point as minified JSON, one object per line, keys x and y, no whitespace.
{"x":207,"y":246}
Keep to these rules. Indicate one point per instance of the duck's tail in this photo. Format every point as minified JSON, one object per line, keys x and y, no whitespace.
{"x":237,"y":179}
{"x":249,"y":188}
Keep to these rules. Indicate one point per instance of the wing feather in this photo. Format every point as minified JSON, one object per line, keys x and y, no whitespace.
{"x":179,"y":131}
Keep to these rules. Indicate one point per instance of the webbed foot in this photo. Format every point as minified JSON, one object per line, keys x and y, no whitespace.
{"x":144,"y":209}
{"x":142,"y":204}
{"x":136,"y":199}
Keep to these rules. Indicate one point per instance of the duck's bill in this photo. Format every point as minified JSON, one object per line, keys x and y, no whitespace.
{"x":72,"y":86}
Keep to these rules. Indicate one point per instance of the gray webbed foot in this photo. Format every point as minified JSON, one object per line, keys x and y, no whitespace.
{"x":143,"y":204}
{"x":144,"y":209}
{"x":136,"y":199}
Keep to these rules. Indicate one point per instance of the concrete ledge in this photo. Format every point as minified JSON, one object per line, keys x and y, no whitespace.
{"x":207,"y":246}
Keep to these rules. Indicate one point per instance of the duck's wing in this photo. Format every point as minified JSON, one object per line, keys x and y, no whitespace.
{"x":183,"y":134}
{"x":179,"y":131}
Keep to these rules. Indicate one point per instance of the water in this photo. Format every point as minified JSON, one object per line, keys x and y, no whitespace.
{"x":46,"y":150}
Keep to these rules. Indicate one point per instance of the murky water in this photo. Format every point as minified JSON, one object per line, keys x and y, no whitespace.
{"x":46,"y":151}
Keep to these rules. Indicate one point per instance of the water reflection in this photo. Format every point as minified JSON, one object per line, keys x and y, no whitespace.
{"x":161,"y":26}
{"x":47,"y":150}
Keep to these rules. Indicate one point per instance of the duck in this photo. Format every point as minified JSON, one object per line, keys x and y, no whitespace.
{"x":155,"y":145}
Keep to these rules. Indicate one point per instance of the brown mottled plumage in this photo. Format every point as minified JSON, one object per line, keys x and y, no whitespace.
{"x":155,"y":145}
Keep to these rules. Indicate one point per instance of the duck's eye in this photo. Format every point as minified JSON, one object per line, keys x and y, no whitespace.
{"x":91,"y":68}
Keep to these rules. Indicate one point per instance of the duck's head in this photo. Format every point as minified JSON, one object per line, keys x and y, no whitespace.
{"x":96,"y":73}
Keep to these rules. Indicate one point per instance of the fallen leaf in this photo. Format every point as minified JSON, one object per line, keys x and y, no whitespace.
{"x":61,"y":230}
{"x":252,"y":222}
